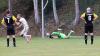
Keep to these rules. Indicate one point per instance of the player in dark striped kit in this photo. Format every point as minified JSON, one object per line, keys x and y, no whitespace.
{"x":89,"y":17}
{"x":8,"y":22}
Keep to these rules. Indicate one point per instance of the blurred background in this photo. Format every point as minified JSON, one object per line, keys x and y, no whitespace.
{"x":65,"y":10}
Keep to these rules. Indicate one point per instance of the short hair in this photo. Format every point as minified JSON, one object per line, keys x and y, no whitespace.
{"x":20,"y":15}
{"x":6,"y":12}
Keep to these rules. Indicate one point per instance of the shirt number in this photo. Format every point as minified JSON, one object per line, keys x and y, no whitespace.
{"x":8,"y":19}
{"x":89,"y":18}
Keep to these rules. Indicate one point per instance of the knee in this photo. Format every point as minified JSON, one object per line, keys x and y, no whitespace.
{"x":86,"y":34}
{"x":8,"y":36}
{"x":13,"y":36}
{"x":91,"y":34}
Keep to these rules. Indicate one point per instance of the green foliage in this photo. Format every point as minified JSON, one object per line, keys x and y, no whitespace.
{"x":24,"y":7}
{"x":3,"y":5}
{"x":49,"y":7}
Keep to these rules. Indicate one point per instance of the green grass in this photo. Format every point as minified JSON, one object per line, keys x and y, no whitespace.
{"x":51,"y":47}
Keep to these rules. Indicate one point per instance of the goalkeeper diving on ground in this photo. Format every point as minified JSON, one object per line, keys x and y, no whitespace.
{"x":59,"y":34}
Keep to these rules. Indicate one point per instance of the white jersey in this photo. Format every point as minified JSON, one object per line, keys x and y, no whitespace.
{"x":23,"y":22}
{"x":25,"y":25}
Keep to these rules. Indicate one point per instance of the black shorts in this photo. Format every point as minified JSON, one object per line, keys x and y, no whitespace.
{"x":10,"y":30}
{"x":88,"y":28}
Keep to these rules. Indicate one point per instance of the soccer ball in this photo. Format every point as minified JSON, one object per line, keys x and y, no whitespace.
{"x":72,"y":31}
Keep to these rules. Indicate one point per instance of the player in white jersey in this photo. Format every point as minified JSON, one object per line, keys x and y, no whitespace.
{"x":25,"y":26}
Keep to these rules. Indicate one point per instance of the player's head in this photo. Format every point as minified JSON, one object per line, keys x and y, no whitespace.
{"x":7,"y":13}
{"x":89,"y":10}
{"x":59,"y":30}
{"x":19,"y":16}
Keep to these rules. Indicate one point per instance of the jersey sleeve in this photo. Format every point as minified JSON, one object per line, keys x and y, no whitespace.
{"x":82,"y":16}
{"x":2,"y":22}
{"x":14,"y":18}
{"x":95,"y":16}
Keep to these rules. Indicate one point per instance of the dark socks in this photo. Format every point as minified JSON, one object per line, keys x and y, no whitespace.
{"x":50,"y":36}
{"x":85,"y":39}
{"x":92,"y":39}
{"x":7,"y":42}
{"x":14,"y":42}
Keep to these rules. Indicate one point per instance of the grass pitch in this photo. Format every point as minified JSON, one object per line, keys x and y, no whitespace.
{"x":51,"y":47}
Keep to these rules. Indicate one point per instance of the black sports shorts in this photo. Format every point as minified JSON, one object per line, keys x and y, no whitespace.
{"x":10,"y":30}
{"x":88,"y":28}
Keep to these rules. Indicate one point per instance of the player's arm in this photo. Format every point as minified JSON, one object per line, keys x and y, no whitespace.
{"x":14,"y":19}
{"x":82,"y":16}
{"x":3,"y":23}
{"x":19,"y":24}
{"x":95,"y":16}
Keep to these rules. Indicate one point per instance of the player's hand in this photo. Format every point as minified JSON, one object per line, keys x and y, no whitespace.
{"x":5,"y":27}
{"x":85,"y":22}
{"x":17,"y":28}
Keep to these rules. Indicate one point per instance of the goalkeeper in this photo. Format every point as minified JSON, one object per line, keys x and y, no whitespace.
{"x":58,"y":34}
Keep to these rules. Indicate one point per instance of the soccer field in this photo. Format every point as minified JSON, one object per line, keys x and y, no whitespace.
{"x":51,"y":47}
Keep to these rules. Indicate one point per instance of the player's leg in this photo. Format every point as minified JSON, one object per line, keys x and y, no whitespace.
{"x":14,"y":40}
{"x":28,"y":37}
{"x":92,"y":38}
{"x":8,"y":36}
{"x":86,"y":37}
{"x":13,"y":36}
{"x":24,"y":33}
{"x":8,"y":40}
{"x":86,"y":34}
{"x":50,"y":36}
{"x":91,"y":34}
{"x":69,"y":34}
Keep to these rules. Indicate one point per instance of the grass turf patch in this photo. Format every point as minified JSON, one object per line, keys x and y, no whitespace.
{"x":51,"y":47}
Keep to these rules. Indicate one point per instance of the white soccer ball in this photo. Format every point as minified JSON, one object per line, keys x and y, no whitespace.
{"x":48,"y":34}
{"x":72,"y":31}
